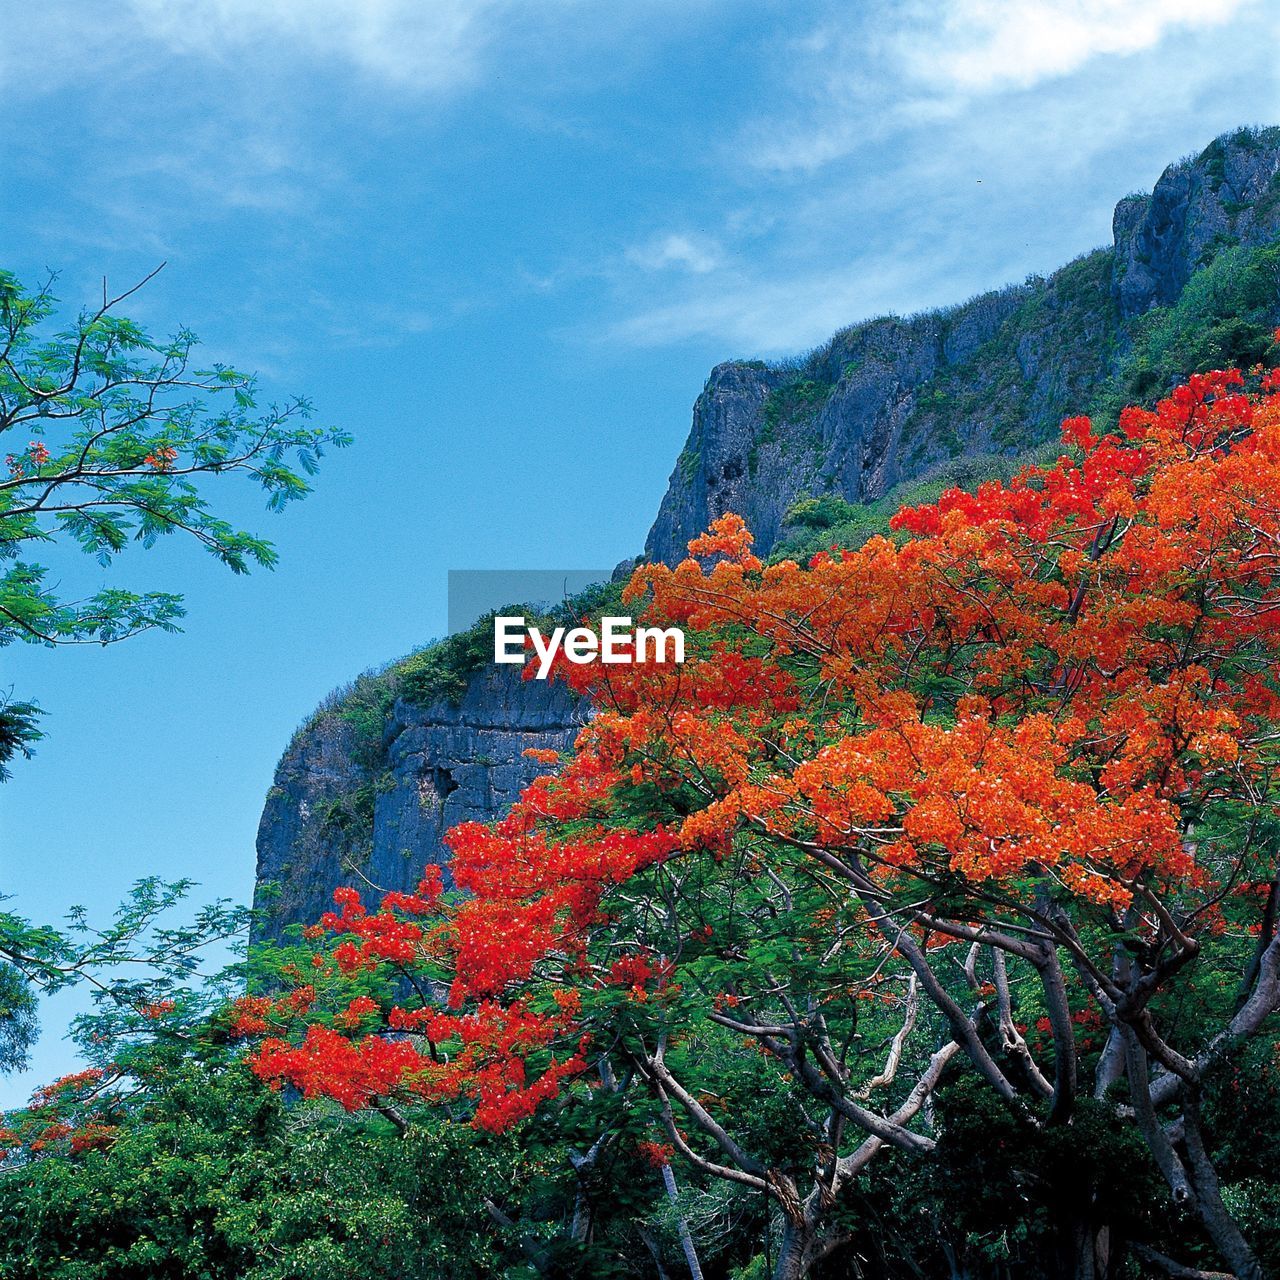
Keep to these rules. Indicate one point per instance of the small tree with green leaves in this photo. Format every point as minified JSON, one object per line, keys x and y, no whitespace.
{"x":108,"y":436}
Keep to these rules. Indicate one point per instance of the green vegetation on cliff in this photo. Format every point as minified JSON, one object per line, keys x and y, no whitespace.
{"x":1224,"y":317}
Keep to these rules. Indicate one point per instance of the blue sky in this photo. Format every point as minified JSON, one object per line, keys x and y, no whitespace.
{"x":503,"y":242}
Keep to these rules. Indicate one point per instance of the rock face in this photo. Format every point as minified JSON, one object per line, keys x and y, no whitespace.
{"x":891,"y":399}
{"x":1226,"y":196}
{"x":332,"y":821}
{"x":365,"y":799}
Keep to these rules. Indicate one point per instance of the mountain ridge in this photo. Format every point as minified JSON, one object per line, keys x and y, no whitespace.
{"x":809,"y":452}
{"x":891,"y":398}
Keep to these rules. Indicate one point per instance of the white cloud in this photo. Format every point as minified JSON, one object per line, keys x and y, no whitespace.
{"x":853,"y":83}
{"x":693,"y":253}
{"x":763,"y":317}
{"x":985,"y":45}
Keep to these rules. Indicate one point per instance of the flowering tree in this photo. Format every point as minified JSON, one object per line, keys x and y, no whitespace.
{"x":991,"y":798}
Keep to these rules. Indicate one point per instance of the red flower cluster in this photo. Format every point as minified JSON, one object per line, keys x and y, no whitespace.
{"x":327,"y":1064}
{"x":161,"y":458}
{"x":656,"y":1154}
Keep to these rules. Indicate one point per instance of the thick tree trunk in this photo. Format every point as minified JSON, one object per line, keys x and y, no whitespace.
{"x":805,"y":1242}
{"x":794,"y":1254}
{"x":1220,"y":1225}
{"x":1084,"y":1253}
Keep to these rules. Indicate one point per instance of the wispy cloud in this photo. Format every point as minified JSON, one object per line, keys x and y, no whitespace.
{"x":426,"y":47}
{"x":436,"y":46}
{"x":755,"y":317}
{"x":676,"y":250}
{"x":852,"y":83}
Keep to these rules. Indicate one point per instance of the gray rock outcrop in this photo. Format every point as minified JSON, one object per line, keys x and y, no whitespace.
{"x":889,"y":399}
{"x":331,"y":821}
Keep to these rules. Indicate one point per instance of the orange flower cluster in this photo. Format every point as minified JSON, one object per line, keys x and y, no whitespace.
{"x":255,"y":1015}
{"x":67,"y":1116}
{"x":161,"y":458}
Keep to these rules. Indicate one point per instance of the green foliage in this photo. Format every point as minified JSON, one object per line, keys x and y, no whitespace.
{"x":18,"y":1025}
{"x":110,"y":432}
{"x":988,"y":1160}
{"x":821,"y":513}
{"x":794,"y":401}
{"x":212,"y":1176}
{"x":440,"y":672}
{"x":144,"y":954}
{"x":1242,"y":1108}
{"x":1214,"y":160}
{"x":19,"y":731}
{"x":110,"y":435}
{"x":1223,"y":318}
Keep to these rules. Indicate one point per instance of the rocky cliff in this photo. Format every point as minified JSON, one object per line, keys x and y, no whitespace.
{"x":369,"y":785}
{"x":345,"y":810}
{"x":892,"y":399}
